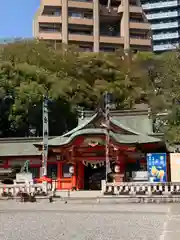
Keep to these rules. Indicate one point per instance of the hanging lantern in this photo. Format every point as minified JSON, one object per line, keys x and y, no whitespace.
{"x":71,"y":169}
{"x":117,"y":169}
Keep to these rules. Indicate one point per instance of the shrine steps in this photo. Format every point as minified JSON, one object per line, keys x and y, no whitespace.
{"x":79,"y":194}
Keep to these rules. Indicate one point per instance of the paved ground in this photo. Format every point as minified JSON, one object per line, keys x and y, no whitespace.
{"x":59,"y":221}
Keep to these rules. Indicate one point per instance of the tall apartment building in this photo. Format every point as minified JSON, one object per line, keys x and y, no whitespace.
{"x":95,"y":25}
{"x":164,"y":18}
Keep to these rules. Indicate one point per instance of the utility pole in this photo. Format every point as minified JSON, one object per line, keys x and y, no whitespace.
{"x":45,"y":136}
{"x":107,"y":118}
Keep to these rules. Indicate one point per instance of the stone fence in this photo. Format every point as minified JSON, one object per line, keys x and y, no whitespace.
{"x":14,"y":189}
{"x":140,"y":188}
{"x":125,"y":189}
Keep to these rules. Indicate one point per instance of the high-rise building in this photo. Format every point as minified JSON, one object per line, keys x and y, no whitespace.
{"x":95,"y":25}
{"x":164,"y":18}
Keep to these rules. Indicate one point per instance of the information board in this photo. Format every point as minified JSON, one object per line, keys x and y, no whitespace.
{"x":157,"y":167}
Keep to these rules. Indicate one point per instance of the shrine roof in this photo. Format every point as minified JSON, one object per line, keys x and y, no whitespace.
{"x":119,"y":138}
{"x":87,"y":121}
{"x":137,"y":134}
{"x":18,"y":149}
{"x":84,"y":123}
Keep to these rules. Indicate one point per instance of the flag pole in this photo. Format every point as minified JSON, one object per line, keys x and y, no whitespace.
{"x":45,"y":136}
{"x":107,"y":119}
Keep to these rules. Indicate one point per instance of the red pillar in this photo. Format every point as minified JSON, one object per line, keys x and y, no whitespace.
{"x":80,"y":176}
{"x":122,"y":164}
{"x":59,"y":174}
{"x":74,"y":176}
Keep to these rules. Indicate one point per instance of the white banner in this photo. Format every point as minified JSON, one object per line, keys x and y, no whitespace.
{"x":175,"y":167}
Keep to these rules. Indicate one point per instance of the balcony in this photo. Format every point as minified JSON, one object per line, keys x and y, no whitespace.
{"x":158,"y":26}
{"x":162,"y":15}
{"x":51,"y":2}
{"x":49,"y":35}
{"x":113,"y":12}
{"x":80,"y":4}
{"x":140,"y":42}
{"x":132,"y":9}
{"x":72,"y":4}
{"x":80,"y":21}
{"x":80,"y":38}
{"x":135,"y":9}
{"x":140,"y":25}
{"x":111,"y":40}
{"x":165,"y":47}
{"x":49,"y":19}
{"x":160,"y":5}
{"x":166,"y":36}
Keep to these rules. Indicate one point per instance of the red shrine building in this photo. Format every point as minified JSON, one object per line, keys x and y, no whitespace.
{"x":77,"y":159}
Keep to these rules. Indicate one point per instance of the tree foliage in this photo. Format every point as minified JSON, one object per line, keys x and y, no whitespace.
{"x":71,"y":78}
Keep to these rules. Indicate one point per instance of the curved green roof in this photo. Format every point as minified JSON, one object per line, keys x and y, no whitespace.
{"x":131,"y":136}
{"x":119,"y":138}
{"x":82,"y":125}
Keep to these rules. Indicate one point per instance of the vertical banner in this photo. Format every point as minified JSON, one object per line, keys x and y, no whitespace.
{"x":175,"y":167}
{"x":45,"y":136}
{"x":107,"y":118}
{"x":157,"y":167}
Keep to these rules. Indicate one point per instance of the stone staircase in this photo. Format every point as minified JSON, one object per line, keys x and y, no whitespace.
{"x":79,"y":194}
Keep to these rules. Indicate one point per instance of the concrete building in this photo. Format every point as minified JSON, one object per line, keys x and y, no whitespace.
{"x":94,"y":25}
{"x":164,"y":19}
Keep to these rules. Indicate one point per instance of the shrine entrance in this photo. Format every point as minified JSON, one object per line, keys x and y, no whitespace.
{"x":93,"y":175}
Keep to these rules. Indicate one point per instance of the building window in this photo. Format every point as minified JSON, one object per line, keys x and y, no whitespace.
{"x":65,"y":170}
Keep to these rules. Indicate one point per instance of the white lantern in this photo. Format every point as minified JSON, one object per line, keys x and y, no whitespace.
{"x":117,"y":169}
{"x":71,"y":169}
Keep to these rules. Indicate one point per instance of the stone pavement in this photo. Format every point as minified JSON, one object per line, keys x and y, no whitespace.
{"x":59,"y":221}
{"x":171,"y":226}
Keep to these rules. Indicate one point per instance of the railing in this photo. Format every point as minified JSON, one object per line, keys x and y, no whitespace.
{"x":14,"y":189}
{"x":147,"y":189}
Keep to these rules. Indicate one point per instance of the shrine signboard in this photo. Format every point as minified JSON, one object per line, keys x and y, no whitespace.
{"x":175,"y":167}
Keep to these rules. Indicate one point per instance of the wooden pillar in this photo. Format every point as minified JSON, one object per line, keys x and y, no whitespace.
{"x":80,"y":176}
{"x":6,"y":164}
{"x":74,"y":176}
{"x":122,"y":164}
{"x":59,"y":174}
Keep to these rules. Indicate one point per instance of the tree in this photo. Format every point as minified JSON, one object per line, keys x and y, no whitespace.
{"x":31,"y":69}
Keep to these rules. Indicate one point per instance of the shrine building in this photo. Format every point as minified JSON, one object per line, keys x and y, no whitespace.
{"x":77,"y":159}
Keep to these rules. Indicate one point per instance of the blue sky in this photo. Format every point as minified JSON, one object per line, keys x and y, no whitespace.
{"x":16,"y":17}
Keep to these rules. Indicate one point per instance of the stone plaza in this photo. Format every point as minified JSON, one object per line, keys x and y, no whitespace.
{"x":73,"y":221}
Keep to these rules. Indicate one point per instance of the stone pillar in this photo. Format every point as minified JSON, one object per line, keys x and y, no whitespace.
{"x":124,"y":26}
{"x":96,"y":28}
{"x":65,"y":21}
